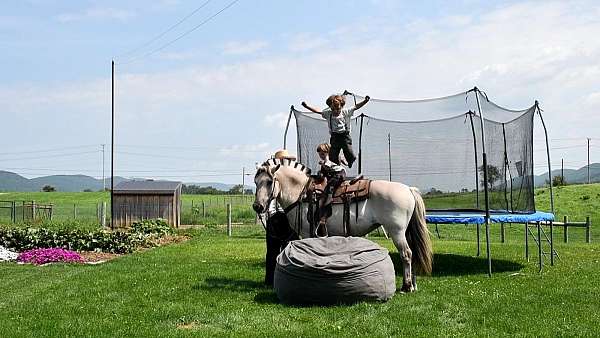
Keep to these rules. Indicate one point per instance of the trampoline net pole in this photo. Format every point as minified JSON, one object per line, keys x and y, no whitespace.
{"x":485,"y":183}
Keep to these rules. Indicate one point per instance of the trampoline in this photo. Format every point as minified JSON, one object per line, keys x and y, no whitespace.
{"x":478,"y":217}
{"x":472,"y":159}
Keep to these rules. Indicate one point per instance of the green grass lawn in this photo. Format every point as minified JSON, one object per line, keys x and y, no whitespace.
{"x":212,"y":286}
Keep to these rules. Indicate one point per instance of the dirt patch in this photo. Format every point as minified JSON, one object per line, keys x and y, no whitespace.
{"x":170,"y":239}
{"x":188,"y":326}
{"x":92,"y":257}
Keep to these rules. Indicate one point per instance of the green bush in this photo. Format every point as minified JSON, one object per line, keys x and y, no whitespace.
{"x":157,"y":226}
{"x":140,"y":235}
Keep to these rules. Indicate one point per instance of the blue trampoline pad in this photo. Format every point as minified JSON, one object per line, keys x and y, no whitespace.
{"x":449,"y":217}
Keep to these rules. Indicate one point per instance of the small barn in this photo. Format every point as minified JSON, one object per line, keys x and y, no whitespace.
{"x":140,"y":200}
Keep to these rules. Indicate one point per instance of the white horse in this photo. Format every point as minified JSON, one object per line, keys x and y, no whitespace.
{"x":399,"y":208}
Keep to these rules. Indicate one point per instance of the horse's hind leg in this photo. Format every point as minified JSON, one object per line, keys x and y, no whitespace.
{"x":406,"y":257}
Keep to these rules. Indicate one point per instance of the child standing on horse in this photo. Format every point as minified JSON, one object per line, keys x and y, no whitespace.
{"x":335,"y":175}
{"x":338,"y":121}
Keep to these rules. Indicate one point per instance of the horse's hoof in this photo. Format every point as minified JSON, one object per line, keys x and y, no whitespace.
{"x":407,"y":288}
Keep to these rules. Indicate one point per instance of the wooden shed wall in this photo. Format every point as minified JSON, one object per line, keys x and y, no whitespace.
{"x":134,"y":207}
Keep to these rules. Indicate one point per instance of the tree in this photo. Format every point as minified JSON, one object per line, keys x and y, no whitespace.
{"x":236,"y":189}
{"x":493,"y":175}
{"x":558,"y":181}
{"x":48,"y":188}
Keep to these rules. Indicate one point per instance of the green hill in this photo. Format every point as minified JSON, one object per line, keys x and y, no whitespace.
{"x":10,"y":181}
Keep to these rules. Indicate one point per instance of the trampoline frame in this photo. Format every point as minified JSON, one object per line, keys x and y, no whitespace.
{"x":489,"y":216}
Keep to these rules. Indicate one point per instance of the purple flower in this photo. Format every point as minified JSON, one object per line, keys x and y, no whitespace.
{"x":43,"y":256}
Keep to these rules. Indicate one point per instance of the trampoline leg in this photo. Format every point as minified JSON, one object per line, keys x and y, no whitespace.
{"x":487,"y":243}
{"x":526,"y":242}
{"x":551,"y":243}
{"x":539,"y":238}
{"x":478,"y":240}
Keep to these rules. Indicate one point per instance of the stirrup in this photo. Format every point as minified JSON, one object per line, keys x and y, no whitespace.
{"x":319,"y":225}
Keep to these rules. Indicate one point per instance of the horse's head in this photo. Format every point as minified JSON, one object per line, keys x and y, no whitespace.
{"x":266,"y":187}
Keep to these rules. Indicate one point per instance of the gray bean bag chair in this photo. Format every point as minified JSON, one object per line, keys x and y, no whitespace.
{"x":333,"y":270}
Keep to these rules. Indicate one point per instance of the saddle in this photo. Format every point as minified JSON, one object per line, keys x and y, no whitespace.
{"x":351,"y":190}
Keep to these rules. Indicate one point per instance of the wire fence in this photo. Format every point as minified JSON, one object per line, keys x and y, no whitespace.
{"x":203,"y":210}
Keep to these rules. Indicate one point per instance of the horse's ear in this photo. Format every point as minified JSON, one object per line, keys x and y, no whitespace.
{"x":274,"y":169}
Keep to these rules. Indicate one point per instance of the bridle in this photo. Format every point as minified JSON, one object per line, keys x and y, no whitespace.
{"x":293,"y":205}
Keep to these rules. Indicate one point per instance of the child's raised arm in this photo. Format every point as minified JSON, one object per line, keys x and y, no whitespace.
{"x":314,"y":110}
{"x":362,"y":103}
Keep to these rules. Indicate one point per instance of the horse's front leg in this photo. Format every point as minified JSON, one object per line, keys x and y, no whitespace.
{"x":406,"y":257}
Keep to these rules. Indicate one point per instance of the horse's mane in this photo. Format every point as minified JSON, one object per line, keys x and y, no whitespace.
{"x":286,"y":162}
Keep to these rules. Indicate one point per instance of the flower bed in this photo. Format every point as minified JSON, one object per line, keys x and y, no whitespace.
{"x":49,"y":255}
{"x":7,"y":255}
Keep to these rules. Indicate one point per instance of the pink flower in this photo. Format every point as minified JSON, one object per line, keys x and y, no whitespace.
{"x":48,"y":255}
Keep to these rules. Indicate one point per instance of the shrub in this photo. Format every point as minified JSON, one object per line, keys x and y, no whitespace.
{"x":157,"y":226}
{"x":49,"y":255}
{"x":140,"y":235}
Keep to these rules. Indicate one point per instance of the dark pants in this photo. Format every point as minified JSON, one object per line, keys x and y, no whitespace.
{"x":343,"y":142}
{"x":279,"y":233}
{"x":333,"y":182}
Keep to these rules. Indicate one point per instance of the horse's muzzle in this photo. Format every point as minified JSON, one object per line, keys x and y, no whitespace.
{"x":258,"y":208}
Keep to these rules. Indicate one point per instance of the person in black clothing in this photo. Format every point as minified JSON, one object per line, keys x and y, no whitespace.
{"x":279,"y":231}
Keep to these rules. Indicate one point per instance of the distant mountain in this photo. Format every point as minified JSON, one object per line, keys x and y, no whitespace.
{"x":572,"y":176}
{"x":10,"y":181}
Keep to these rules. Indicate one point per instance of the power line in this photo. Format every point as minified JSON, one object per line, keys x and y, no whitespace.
{"x":181,"y":36}
{"x":48,"y":156}
{"x":47,"y":150}
{"x":131,"y":51}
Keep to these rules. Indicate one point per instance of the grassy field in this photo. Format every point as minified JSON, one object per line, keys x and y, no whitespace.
{"x":81,"y":208}
{"x":575,"y":201}
{"x":212,"y":286}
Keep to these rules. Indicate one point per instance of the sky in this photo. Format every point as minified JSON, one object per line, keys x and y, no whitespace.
{"x":203,"y":88}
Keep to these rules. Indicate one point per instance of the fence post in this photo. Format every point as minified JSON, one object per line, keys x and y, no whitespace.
{"x":502,"y":234}
{"x":203,"y":209}
{"x":229,"y":220}
{"x":566,"y":229}
{"x":33,"y":210}
{"x":13,"y":212}
{"x":74,"y":211}
{"x":103,"y":219}
{"x":51,"y":210}
{"x":587,"y":230}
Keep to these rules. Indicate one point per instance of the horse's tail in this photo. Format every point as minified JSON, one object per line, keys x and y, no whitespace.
{"x":417,"y":235}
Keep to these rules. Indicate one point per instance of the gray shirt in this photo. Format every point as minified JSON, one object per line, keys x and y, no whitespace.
{"x":339,"y":123}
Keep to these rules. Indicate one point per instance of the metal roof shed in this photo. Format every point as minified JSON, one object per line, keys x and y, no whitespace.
{"x":140,"y":200}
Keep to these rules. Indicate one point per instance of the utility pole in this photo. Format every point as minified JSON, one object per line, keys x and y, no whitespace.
{"x":562,"y":169}
{"x":112,"y":151}
{"x":243,"y":180}
{"x":588,"y":153}
{"x":103,"y":177}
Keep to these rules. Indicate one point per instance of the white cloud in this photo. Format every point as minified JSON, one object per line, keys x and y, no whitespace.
{"x":244,"y":47}
{"x":276,"y":120}
{"x":96,"y":14}
{"x":306,"y":42}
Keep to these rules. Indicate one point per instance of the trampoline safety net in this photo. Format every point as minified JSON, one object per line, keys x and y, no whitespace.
{"x":436,"y":145}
